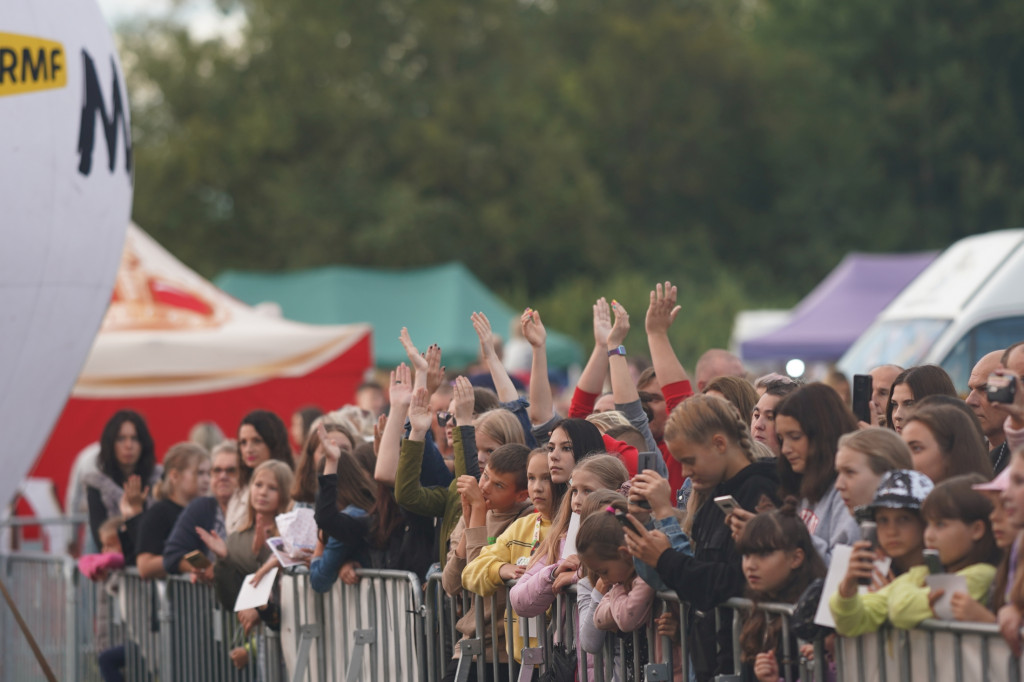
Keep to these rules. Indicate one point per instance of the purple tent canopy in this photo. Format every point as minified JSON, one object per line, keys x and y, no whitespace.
{"x":830,"y":318}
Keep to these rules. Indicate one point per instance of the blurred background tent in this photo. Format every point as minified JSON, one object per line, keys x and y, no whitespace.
{"x":837,"y":311}
{"x":434,"y":303}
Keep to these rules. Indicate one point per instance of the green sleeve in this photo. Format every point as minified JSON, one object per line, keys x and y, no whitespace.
{"x":409,"y":493}
{"x":860,"y":613}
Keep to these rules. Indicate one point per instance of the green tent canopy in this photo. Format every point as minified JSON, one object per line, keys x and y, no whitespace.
{"x":434,"y":303}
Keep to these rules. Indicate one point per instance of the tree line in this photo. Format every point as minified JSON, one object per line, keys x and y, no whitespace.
{"x":566,"y":149}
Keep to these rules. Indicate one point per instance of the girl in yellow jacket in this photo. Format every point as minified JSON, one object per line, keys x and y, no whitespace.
{"x":958,"y":527}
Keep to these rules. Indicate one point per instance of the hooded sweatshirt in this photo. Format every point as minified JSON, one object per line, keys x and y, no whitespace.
{"x":714,"y":572}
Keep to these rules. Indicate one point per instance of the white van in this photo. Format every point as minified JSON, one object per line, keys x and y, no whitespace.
{"x":968,"y":302}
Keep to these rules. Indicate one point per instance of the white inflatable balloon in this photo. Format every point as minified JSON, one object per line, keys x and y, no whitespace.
{"x":65,"y":203}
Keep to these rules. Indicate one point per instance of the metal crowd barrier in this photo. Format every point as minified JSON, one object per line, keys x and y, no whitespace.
{"x":371,"y":631}
{"x":386,"y":628}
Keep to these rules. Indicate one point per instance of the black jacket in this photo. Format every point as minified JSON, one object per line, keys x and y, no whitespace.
{"x":715,"y":574}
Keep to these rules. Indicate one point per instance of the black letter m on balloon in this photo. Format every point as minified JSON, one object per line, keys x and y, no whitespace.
{"x":94,"y":105}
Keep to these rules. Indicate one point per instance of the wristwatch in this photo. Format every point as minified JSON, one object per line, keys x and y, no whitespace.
{"x":621,"y":350}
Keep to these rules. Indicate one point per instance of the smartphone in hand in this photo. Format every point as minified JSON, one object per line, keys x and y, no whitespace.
{"x":862,"y":386}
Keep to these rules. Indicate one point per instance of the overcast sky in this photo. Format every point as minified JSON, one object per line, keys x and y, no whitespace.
{"x":201,"y":15}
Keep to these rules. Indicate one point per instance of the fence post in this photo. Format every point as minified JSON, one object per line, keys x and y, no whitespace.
{"x":166,"y":618}
{"x":71,"y":615}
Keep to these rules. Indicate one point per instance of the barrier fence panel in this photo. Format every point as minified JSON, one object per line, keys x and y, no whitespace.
{"x":947,"y":651}
{"x":387,"y":628}
{"x":39,"y":586}
{"x":370,"y":631}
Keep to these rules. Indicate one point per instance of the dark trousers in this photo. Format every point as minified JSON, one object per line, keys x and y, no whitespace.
{"x":112,"y":662}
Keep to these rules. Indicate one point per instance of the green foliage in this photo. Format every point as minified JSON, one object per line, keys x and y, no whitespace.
{"x":564,"y":150}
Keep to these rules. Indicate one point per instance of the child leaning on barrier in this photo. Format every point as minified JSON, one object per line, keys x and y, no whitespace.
{"x":488,"y":509}
{"x":342,"y":511}
{"x":548,"y":572}
{"x":506,"y":558}
{"x":620,"y":601}
{"x":779,"y":562}
{"x":958,"y":526}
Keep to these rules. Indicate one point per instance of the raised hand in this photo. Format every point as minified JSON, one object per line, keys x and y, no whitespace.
{"x":465,"y":400}
{"x":400,"y":388}
{"x":331,"y":449}
{"x":214,"y":541}
{"x":602,"y":322}
{"x":532,"y":328}
{"x":662,"y":311}
{"x":416,"y":359}
{"x":134,"y":498}
{"x":378,"y":433}
{"x":621,"y":327}
{"x":482,"y":326}
{"x":435,"y":372}
{"x":419,"y":414}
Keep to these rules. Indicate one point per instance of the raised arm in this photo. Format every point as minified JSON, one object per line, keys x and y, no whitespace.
{"x":409,"y":492}
{"x":591,"y":381}
{"x":541,"y":402}
{"x":660,"y":315}
{"x":499,"y":375}
{"x":391,"y":440}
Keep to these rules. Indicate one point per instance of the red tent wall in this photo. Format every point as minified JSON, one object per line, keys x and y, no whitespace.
{"x":171,"y":418}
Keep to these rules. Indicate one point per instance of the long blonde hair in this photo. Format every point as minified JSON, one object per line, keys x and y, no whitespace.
{"x":610,"y":471}
{"x":283,"y":477}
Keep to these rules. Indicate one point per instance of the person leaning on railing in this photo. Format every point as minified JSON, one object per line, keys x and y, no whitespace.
{"x":506,"y":558}
{"x":709,"y":437}
{"x":779,"y":562}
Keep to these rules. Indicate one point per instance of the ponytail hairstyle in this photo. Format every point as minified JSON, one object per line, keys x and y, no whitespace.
{"x":954,"y":499}
{"x":823,"y":418}
{"x":612,"y":474}
{"x":283,"y":476}
{"x":180,"y":458}
{"x":769,"y":532}
{"x":600,"y":532}
{"x":605,"y":421}
{"x":700,"y":417}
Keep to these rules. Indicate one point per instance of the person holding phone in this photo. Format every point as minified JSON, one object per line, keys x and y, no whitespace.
{"x":184,"y":551}
{"x":709,"y":437}
{"x":959,"y":528}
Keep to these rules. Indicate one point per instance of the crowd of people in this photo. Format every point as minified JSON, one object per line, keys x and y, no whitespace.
{"x":715,"y":486}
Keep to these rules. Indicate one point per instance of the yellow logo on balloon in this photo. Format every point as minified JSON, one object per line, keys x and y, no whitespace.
{"x":30,"y":64}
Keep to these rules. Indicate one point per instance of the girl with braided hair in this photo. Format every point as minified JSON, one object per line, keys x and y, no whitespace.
{"x":809,"y":423}
{"x":709,"y":438}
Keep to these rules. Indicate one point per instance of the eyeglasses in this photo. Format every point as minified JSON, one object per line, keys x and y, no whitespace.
{"x":230,"y":471}
{"x":444,"y":417}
